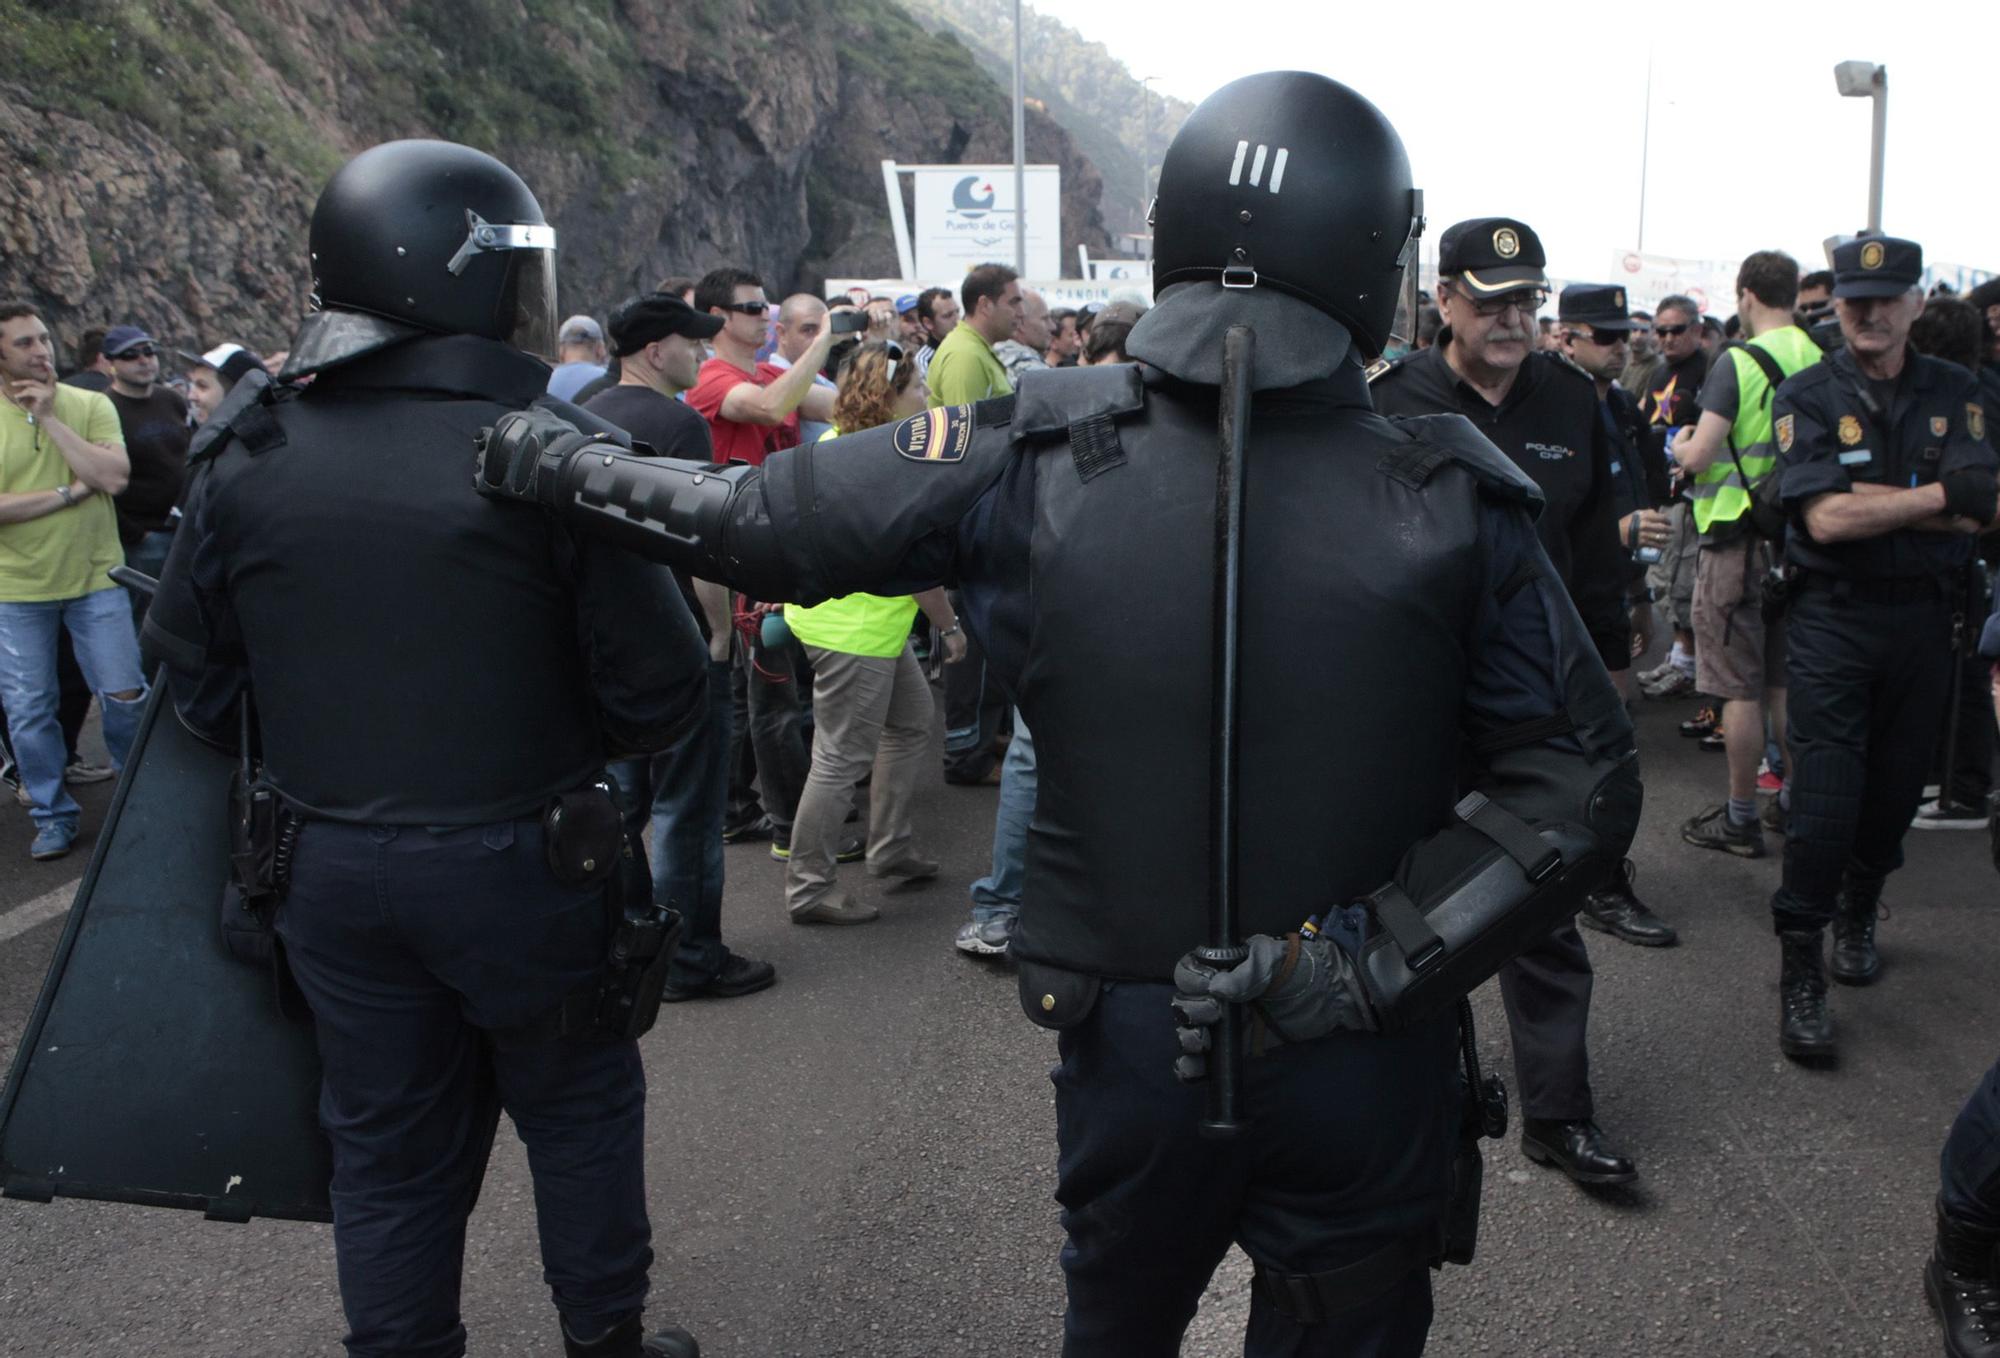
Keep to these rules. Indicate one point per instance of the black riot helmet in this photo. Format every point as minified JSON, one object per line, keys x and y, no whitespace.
{"x":1291,"y":181}
{"x":440,"y":236}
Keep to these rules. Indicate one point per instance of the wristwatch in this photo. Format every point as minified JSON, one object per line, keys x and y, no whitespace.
{"x":67,"y":498}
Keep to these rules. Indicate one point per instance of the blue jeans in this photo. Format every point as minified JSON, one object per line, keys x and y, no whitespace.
{"x":997,"y":895}
{"x":148,"y":554}
{"x":100,"y":628}
{"x":685,"y":789}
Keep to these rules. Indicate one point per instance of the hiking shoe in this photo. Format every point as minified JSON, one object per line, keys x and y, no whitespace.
{"x":1679,"y":684}
{"x":985,"y":940}
{"x":81,"y":770}
{"x":1712,"y":829}
{"x":852,"y":849}
{"x":1934,"y":815}
{"x":1704,"y":720}
{"x":739,"y":976}
{"x":53,"y":840}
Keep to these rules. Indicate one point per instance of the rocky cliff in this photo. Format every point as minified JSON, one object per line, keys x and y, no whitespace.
{"x":158,"y":161}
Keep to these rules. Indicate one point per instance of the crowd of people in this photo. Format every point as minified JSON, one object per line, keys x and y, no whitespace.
{"x":1686,"y":460}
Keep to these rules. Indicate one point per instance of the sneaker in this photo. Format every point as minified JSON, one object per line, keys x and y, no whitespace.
{"x":1712,"y":829}
{"x":836,"y":910}
{"x":53,"y":840}
{"x":850,"y":850}
{"x":985,"y":940}
{"x":81,"y":770}
{"x":739,"y":976}
{"x":1679,"y":684}
{"x":1769,"y":783}
{"x":1704,"y":720}
{"x":1934,"y":815}
{"x":1657,"y":673}
{"x":1714,"y":743}
{"x":747,"y":831}
{"x":1772,"y":817}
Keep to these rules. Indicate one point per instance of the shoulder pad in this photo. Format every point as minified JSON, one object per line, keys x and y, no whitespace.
{"x":1383,"y":366}
{"x":1436,"y":440}
{"x":1053,"y":400}
{"x":1564,"y":361}
{"x":244,"y":415}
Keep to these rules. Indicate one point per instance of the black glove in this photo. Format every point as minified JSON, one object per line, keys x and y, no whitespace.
{"x":1298,"y":989}
{"x":1972,"y":493}
{"x":520,"y":456}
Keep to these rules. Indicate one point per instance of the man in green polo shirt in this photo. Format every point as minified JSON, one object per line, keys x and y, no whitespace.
{"x":965,"y":368}
{"x":62,"y":458}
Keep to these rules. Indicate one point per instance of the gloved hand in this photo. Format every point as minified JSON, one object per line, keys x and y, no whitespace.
{"x":1971,"y":492}
{"x":521,"y":454}
{"x":1297,"y":989}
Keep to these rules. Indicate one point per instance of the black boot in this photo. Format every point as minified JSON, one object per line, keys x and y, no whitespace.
{"x":1804,"y":1027}
{"x":1616,"y":910}
{"x":628,"y":1339}
{"x":1962,"y":1281}
{"x":1855,"y":961}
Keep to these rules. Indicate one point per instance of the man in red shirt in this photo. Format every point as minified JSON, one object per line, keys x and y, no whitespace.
{"x":752,"y":408}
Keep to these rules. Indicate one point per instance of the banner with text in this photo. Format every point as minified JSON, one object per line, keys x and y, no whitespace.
{"x":965,"y":217}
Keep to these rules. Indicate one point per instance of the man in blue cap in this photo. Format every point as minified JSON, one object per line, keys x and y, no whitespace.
{"x":1886,"y":475}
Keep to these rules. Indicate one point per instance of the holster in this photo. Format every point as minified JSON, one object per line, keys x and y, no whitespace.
{"x":1482,"y":1116}
{"x":1054,"y":998}
{"x":263,"y":835}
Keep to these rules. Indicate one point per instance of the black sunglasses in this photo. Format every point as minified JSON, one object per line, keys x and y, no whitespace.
{"x":748,"y":308}
{"x":143,"y":351}
{"x":1670,"y":330}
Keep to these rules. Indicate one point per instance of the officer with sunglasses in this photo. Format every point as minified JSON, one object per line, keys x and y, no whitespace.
{"x":1543,"y":412}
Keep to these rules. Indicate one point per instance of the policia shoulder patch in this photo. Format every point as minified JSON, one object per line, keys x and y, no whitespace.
{"x":941,"y":434}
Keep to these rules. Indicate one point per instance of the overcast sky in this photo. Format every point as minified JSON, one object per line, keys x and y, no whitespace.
{"x":1535,"y":110}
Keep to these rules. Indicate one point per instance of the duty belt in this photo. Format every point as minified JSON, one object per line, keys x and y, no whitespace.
{"x":1911,"y":589}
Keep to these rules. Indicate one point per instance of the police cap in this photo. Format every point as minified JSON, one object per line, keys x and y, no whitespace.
{"x":1493,"y":255}
{"x":1600,"y":306}
{"x":1877,"y":266}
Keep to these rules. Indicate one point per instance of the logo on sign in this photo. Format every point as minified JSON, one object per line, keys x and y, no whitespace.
{"x":972,"y":197}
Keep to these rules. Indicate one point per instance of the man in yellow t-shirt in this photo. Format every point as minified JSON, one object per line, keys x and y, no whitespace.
{"x":62,"y":458}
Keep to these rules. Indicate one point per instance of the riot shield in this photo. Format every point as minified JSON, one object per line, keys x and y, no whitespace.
{"x":156,"y":1068}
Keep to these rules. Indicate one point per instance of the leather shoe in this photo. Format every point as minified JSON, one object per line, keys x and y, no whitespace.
{"x":1617,"y":911}
{"x":836,"y":910}
{"x":739,"y":976}
{"x":904,"y":872}
{"x":1575,"y":1148}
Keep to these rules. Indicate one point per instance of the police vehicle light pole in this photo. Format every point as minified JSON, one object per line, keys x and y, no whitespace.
{"x":1866,"y":80}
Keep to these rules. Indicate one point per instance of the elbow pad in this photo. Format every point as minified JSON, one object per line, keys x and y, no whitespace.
{"x":1513,"y":886}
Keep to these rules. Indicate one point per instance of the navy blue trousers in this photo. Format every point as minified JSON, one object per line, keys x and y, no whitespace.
{"x":1349,"y":1148}
{"x":415,"y":949}
{"x":1969,"y":1172}
{"x":1868,"y":684}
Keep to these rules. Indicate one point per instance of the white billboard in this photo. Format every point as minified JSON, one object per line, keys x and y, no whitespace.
{"x":964,"y":217}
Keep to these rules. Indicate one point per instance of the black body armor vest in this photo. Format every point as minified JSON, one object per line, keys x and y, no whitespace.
{"x":414,"y":648}
{"x":1361,"y":575}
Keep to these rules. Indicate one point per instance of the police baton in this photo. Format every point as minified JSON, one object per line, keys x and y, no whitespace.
{"x":1960,"y":606}
{"x":1223,"y":951}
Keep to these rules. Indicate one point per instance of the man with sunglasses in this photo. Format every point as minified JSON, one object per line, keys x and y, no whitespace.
{"x":753,"y":409}
{"x":1543,"y":412}
{"x":155,"y":421}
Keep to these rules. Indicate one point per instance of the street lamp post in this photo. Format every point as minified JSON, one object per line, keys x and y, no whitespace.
{"x":1866,"y":80}
{"x":1145,"y":146}
{"x":1020,"y":156}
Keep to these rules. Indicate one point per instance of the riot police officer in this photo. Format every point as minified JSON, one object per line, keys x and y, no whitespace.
{"x":1078,"y":518}
{"x":434,"y":687}
{"x":1885,"y":470}
{"x":1543,"y":412}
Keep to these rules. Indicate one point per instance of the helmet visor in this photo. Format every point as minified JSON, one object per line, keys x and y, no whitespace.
{"x":527,"y":312}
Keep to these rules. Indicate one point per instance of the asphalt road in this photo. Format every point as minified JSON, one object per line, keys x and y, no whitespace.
{"x":860,"y":1161}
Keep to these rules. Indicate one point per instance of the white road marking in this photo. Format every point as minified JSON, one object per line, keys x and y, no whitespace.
{"x":50,"y":905}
